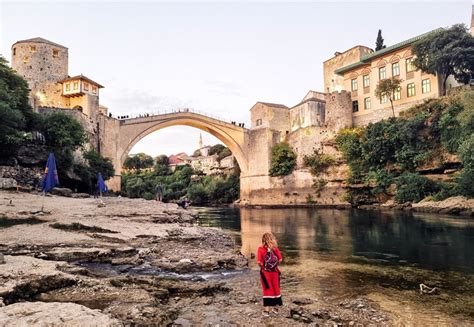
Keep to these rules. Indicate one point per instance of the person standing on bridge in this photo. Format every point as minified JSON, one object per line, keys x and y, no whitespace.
{"x":268,"y":258}
{"x":159,"y":193}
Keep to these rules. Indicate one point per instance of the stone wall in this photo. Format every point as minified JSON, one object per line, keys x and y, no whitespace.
{"x":334,"y":82}
{"x":376,"y":115}
{"x":272,"y":116}
{"x":108,"y":135}
{"x":25,"y":177}
{"x":308,"y":113}
{"x":338,"y":111}
{"x":298,"y":188}
{"x":42,"y":64}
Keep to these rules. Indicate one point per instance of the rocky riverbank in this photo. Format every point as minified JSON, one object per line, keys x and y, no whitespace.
{"x":122,"y":262}
{"x":456,"y":205}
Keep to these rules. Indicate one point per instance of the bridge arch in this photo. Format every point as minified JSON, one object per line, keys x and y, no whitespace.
{"x":131,"y":131}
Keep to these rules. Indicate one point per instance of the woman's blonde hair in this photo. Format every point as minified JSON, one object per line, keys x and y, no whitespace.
{"x":269,"y":241}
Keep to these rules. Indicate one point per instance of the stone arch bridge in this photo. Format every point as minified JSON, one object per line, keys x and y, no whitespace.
{"x":117,"y":137}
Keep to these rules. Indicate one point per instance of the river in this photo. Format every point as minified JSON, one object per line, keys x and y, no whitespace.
{"x":383,"y":256}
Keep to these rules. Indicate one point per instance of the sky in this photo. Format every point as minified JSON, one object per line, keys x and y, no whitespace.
{"x":219,"y":58}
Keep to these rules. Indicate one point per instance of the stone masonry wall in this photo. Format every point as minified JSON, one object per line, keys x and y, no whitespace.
{"x":36,"y":63}
{"x":338,"y":111}
{"x":23,"y":176}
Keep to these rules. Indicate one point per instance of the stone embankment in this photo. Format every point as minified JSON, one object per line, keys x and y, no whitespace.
{"x":134,"y":262}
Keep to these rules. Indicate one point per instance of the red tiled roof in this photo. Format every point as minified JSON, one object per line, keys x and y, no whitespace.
{"x":174,"y":159}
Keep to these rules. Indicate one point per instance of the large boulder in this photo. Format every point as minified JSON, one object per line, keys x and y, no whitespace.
{"x":31,"y":155}
{"x":53,"y":314}
{"x":62,"y":191}
{"x":7,"y":183}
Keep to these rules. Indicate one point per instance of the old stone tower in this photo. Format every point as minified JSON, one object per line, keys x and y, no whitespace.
{"x":44,"y":65}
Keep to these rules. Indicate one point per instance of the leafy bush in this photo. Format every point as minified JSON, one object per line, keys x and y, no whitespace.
{"x":197,"y":194}
{"x":412,"y":187}
{"x":318,"y":162}
{"x":446,"y":190}
{"x":283,"y":160}
{"x":466,"y":177}
{"x":148,"y":196}
{"x":380,"y":180}
{"x":349,"y":142}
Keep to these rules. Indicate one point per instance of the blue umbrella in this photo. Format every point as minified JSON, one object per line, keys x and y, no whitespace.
{"x":50,"y":179}
{"x":101,"y":184}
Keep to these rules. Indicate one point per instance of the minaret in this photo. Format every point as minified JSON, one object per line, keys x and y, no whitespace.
{"x":472,"y":21}
{"x":200,"y":141}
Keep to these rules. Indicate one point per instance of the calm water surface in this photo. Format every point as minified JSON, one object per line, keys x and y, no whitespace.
{"x":383,"y":256}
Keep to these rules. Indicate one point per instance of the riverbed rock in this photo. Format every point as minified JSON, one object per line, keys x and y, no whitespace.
{"x":80,"y":195}
{"x":302,"y":300}
{"x":54,"y":314}
{"x":24,"y":277}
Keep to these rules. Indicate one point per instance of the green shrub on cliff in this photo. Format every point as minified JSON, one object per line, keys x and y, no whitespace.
{"x":283,"y":160}
{"x":381,"y":151}
{"x":318,"y":162}
{"x":413,"y":187}
{"x":466,"y":177}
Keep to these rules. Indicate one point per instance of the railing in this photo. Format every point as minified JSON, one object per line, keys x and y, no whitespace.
{"x":172,"y":111}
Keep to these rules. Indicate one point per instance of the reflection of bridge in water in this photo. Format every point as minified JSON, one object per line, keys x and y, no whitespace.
{"x":121,"y":135}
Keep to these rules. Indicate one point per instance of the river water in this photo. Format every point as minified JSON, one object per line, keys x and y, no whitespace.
{"x":383,"y":256}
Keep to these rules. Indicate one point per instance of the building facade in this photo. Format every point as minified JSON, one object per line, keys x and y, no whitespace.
{"x":361,"y":78}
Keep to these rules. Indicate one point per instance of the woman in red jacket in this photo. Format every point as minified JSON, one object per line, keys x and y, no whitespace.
{"x":268,"y":258}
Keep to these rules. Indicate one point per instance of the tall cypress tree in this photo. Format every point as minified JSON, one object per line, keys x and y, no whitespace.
{"x":379,"y":43}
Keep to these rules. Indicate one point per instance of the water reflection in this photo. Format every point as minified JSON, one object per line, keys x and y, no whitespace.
{"x":426,"y":241}
{"x":335,"y":255}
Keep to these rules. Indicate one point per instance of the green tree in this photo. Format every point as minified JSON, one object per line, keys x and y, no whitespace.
{"x":98,"y":164}
{"x":63,"y":131}
{"x":138,"y":162}
{"x":16,"y":114}
{"x":445,"y":52}
{"x":63,"y":135}
{"x":388,"y":87}
{"x":216,"y":149}
{"x":162,"y":160}
{"x":283,"y":160}
{"x":379,"y":42}
{"x":224,"y":153}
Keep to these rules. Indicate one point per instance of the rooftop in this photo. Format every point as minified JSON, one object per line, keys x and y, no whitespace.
{"x":39,"y":40}
{"x":275,"y":105}
{"x":365,"y":60}
{"x":82,"y":77}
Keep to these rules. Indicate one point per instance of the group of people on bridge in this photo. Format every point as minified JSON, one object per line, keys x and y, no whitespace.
{"x":239,"y":124}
